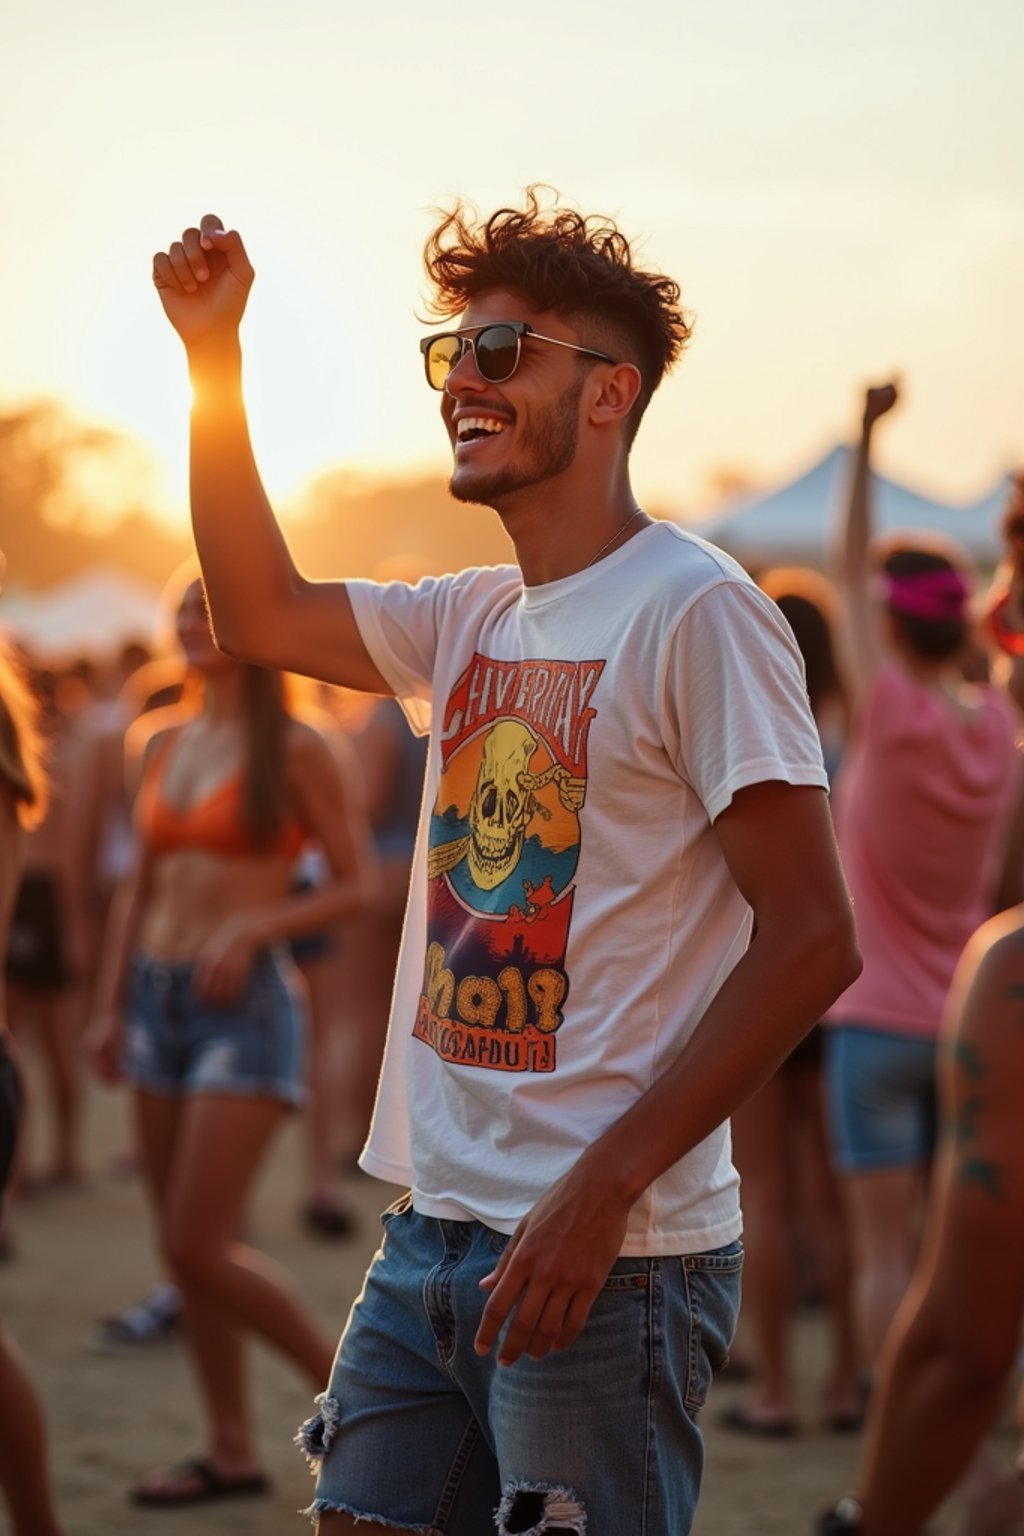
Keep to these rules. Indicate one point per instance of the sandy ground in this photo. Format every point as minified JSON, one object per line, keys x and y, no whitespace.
{"x":86,"y":1253}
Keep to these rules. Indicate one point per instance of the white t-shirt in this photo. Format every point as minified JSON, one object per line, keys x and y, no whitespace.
{"x":571,"y":915}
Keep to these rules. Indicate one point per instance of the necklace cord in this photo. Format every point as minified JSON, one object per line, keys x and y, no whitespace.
{"x":637,"y":512}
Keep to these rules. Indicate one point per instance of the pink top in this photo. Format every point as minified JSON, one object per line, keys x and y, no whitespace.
{"x":923,"y":802}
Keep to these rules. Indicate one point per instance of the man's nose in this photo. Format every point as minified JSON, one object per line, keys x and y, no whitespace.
{"x":465,"y":376}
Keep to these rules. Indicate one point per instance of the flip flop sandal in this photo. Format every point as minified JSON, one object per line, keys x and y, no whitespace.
{"x":325,"y":1219}
{"x":738,"y":1418}
{"x":197,"y":1483}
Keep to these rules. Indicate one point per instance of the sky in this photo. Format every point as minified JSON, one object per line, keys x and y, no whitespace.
{"x":838,"y":189}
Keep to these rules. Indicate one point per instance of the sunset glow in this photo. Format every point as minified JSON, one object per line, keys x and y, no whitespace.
{"x":837,"y":188}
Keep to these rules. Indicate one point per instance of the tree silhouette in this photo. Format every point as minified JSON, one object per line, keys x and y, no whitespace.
{"x":52,"y":522}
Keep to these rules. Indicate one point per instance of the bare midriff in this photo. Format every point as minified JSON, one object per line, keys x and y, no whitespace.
{"x":193,"y":892}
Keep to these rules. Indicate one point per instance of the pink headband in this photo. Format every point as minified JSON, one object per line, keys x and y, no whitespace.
{"x":937,"y":595}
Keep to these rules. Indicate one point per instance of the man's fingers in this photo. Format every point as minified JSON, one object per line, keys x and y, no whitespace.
{"x":210,"y":224}
{"x":191,"y":240}
{"x":490,"y":1281}
{"x":538,"y":1321}
{"x":228,"y":243}
{"x":550,"y":1327}
{"x":528,"y":1307}
{"x":499,"y":1305}
{"x":574,"y":1320}
{"x":163,"y":276}
{"x":181,"y":268}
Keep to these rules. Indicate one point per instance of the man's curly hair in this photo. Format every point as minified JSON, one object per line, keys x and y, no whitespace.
{"x":574,"y":264}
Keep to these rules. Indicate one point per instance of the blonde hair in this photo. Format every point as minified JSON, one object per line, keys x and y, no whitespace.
{"x":22,"y":757}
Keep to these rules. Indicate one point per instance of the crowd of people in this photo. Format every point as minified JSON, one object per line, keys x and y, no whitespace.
{"x":207,"y":863}
{"x":197,"y":859}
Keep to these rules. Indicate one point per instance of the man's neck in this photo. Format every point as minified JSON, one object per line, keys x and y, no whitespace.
{"x":558,"y":535}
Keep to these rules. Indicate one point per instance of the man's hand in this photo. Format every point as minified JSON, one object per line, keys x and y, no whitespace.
{"x":203,"y":281}
{"x":879,"y":399}
{"x":555,"y":1264}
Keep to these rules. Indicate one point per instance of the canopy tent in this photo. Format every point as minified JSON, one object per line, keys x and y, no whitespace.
{"x":93,"y":613}
{"x":796,"y":524}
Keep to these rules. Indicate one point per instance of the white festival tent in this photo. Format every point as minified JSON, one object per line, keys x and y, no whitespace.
{"x":92,"y":613}
{"x":796,"y":523}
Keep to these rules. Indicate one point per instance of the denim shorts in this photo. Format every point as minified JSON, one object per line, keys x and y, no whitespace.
{"x":417,"y":1432}
{"x":881,"y":1098}
{"x":176,"y":1042}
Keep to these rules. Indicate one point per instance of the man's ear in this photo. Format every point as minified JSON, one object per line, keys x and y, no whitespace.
{"x":614,"y":392}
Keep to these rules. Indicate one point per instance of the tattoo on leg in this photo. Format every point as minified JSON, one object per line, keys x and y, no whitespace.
{"x":968,"y":1057}
{"x":987,"y":1175}
{"x":965,"y":1126}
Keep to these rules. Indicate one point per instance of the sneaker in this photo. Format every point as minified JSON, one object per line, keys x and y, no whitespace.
{"x":843,"y":1519}
{"x":155,"y":1320}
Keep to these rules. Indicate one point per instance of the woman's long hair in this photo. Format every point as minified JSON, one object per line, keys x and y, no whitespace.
{"x":266,"y":712}
{"x":22,"y":756}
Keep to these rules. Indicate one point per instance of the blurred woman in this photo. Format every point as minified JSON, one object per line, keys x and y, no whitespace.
{"x":197,"y":1004}
{"x":923,"y":804}
{"x":45,"y":946}
{"x":780,"y":1140}
{"x":23,"y":1460}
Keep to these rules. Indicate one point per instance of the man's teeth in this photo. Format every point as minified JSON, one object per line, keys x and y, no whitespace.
{"x":471,"y":426}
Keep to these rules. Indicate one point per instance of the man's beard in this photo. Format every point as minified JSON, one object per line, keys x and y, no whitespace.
{"x":546,"y":451}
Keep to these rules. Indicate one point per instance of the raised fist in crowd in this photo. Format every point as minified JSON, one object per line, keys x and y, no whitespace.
{"x":203,"y":281}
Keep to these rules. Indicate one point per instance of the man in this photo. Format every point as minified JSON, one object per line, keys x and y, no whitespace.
{"x":622,"y":770}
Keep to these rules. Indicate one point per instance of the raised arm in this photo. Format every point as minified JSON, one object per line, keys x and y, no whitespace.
{"x":262,"y":608}
{"x":860,"y":638}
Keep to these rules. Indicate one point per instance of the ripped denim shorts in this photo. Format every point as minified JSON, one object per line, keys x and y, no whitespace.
{"x":417,"y":1432}
{"x":176,"y":1042}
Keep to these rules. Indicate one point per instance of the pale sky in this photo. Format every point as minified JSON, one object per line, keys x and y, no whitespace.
{"x":837,"y":187}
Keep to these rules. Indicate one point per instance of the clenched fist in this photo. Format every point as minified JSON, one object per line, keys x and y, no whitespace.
{"x":203,"y":281}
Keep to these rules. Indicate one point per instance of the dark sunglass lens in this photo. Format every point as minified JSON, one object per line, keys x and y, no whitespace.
{"x":497,"y":352}
{"x":442,"y":356}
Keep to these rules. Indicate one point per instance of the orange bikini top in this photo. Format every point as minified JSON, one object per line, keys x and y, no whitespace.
{"x":215,"y":824}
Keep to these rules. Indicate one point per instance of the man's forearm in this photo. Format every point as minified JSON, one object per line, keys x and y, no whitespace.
{"x":244,"y":557}
{"x":779,"y":989}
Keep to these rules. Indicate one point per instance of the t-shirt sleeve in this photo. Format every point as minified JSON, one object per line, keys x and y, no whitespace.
{"x":400,"y":625}
{"x":736,"y":698}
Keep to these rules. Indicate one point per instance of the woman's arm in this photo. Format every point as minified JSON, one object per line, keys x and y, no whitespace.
{"x":862,"y":653}
{"x":107,"y":1024}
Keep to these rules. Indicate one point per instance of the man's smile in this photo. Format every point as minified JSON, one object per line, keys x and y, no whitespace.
{"x":469,"y":428}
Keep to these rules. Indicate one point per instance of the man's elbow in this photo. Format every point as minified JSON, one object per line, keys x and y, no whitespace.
{"x":239,"y":646}
{"x":246,"y":642}
{"x":838,"y":950}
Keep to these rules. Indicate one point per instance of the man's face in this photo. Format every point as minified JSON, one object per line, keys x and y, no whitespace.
{"x":511,"y":436}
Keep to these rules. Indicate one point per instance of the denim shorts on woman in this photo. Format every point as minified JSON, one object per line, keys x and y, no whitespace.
{"x":177,"y":1042}
{"x":418,"y":1432}
{"x":881,"y":1098}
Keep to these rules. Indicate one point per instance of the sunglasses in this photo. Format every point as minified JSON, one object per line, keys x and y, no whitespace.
{"x":496,"y":351}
